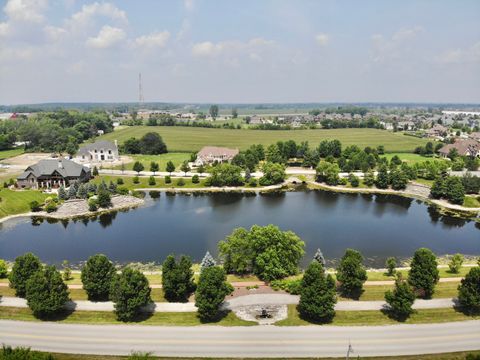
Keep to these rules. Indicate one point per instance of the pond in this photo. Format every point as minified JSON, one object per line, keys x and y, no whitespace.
{"x":377,"y":225}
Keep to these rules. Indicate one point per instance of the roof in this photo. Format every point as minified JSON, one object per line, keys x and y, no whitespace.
{"x":101,"y":144}
{"x":217,"y":151}
{"x":462,"y":146}
{"x":66,"y":168}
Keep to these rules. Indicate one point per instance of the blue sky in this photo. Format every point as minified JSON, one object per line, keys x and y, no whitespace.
{"x":239,"y":51}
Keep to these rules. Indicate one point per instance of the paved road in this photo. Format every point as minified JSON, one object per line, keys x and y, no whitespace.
{"x":257,"y":299}
{"x":266,"y":341}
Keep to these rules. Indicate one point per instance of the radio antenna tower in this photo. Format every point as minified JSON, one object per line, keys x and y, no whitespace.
{"x":140,"y":91}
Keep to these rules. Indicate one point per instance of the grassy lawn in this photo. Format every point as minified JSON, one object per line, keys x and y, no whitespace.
{"x":5,"y":154}
{"x":143,"y":182}
{"x":424,"y":181}
{"x":374,"y":317}
{"x":188,"y":139}
{"x":444,"y":273}
{"x":409,"y":158}
{"x":472,"y":201}
{"x":17,"y":202}
{"x":177,"y":158}
{"x":106,"y":317}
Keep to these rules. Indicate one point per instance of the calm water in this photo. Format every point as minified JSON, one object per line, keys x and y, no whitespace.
{"x":377,"y":225}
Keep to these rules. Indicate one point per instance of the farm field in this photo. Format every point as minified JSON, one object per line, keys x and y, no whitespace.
{"x":411,"y":158}
{"x":187,"y":139}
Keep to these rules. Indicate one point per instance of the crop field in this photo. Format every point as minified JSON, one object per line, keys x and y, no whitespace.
{"x":187,"y":139}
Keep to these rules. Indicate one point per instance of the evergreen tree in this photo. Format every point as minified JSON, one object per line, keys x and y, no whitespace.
{"x":317,"y":294}
{"x":24,"y":267}
{"x":207,"y":261}
{"x":138,"y":167}
{"x":177,"y":279}
{"x":454,"y":190}
{"x":95,"y":171}
{"x":423,"y":274}
{"x":319,"y":257}
{"x":469,"y":291}
{"x":97,"y":275}
{"x":211,"y":291}
{"x":400,"y":300}
{"x":104,"y":199}
{"x":369,"y":178}
{"x":437,"y":190}
{"x":351,"y":274}
{"x":154,"y":167}
{"x":170,"y":167}
{"x":382,"y":178}
{"x":82,"y":191}
{"x":62,"y":194}
{"x":398,"y":179}
{"x":185,"y":167}
{"x":390,"y":264}
{"x":46,"y":293}
{"x":112,"y":187}
{"x":72,"y":191}
{"x":456,"y":263}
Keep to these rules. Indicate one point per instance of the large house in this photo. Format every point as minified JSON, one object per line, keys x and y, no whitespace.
{"x":437,"y":132}
{"x":53,"y":173}
{"x":99,"y":151}
{"x":211,"y":154}
{"x":465,"y":147}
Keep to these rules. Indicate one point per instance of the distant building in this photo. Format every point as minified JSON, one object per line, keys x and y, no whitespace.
{"x":437,"y":131}
{"x":475,"y":136}
{"x":53,"y":173}
{"x":211,"y":154}
{"x":467,"y":147}
{"x":99,"y":151}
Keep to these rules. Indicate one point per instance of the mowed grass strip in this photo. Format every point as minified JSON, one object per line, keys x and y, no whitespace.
{"x":107,"y":317}
{"x":176,"y":157}
{"x":188,"y":139}
{"x":5,"y":154}
{"x":375,"y":317}
{"x":144,"y":182}
{"x":17,"y":202}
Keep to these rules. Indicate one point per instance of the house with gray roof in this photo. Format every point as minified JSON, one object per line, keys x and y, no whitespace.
{"x":53,"y":173}
{"x":98,"y":152}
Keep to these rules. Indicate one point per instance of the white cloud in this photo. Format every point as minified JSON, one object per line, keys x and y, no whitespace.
{"x":407,"y":33}
{"x":206,"y":48}
{"x":90,"y":11}
{"x":25,"y":10}
{"x":251,"y":48}
{"x":395,"y":47}
{"x":322,"y":39}
{"x":458,"y":56}
{"x":189,"y":5}
{"x":107,"y":37}
{"x":54,"y":33}
{"x":157,"y":39}
{"x":4,"y":28}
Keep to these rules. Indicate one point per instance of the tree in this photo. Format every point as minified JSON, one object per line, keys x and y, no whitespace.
{"x":138,"y":166}
{"x":97,"y":275}
{"x":456,"y":263}
{"x":95,"y":171}
{"x":398,"y":179}
{"x":369,"y":178}
{"x":104,"y":199}
{"x":274,"y":155}
{"x":72,"y":191}
{"x":132,"y":146}
{"x":130,"y":292}
{"x":382,"y":178}
{"x":437,"y":190}
{"x":201,"y":169}
{"x":265,"y":250}
{"x":423,"y":274}
{"x":82,"y":192}
{"x":152,"y":144}
{"x":46,"y":293}
{"x":170,"y":167}
{"x":225,"y":175}
{"x":327,"y":172}
{"x":67,"y":272}
{"x":207,"y":261}
{"x":177,"y":279}
{"x":353,"y":180}
{"x":234,"y":113}
{"x":469,"y":291}
{"x":62,"y":194}
{"x":400,"y":300}
{"x":185,"y":167}
{"x":319,"y":257}
{"x":3,"y":269}
{"x":151,"y":181}
{"x":213,"y":111}
{"x":391,"y":264}
{"x":272,"y":174}
{"x":317,"y":294}
{"x":351,"y":274}
{"x":454,"y":190}
{"x":24,"y":267}
{"x":35,"y":206}
{"x":211,"y":291}
{"x":154,"y":167}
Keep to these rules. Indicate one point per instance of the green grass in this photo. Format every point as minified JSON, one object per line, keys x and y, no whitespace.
{"x":424,"y":181}
{"x":375,"y":317}
{"x":143,"y":182}
{"x":472,"y":201}
{"x":5,"y":154}
{"x":409,"y":158}
{"x":107,"y":317}
{"x":176,"y":158}
{"x":17,"y":202}
{"x":180,"y":139}
{"x":443,"y":272}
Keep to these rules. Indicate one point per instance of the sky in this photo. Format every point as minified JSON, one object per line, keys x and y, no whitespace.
{"x":240,"y":51}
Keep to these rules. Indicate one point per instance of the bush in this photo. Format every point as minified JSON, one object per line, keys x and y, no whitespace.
{"x":180,"y":182}
{"x":273,"y":173}
{"x":92,"y":204}
{"x":97,"y":275}
{"x":136,"y":180}
{"x":120,"y":181}
{"x":130,"y":292}
{"x":35,"y":206}
{"x":195,"y":179}
{"x":151,"y":181}
{"x":342,"y":181}
{"x":95,"y":171}
{"x":351,"y":274}
{"x":122,"y":191}
{"x":168,"y":179}
{"x":423,"y":274}
{"x":46,"y":293}
{"x":3,"y":269}
{"x":354,"y":180}
{"x":211,"y":291}
{"x":177,"y":279}
{"x":391,"y":264}
{"x":252,"y":182}
{"x":225,"y":175}
{"x":50,"y":207}
{"x":317,"y":294}
{"x":104,"y":199}
{"x":369,"y":178}
{"x":23,"y":268}
{"x":469,"y":291}
{"x":456,"y":263}
{"x":20,"y":353}
{"x":292,"y":286}
{"x":400,"y":300}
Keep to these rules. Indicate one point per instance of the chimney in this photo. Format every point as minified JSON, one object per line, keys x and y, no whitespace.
{"x":60,"y":165}
{"x":116,"y":144}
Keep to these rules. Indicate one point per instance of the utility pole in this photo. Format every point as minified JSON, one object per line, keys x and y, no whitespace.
{"x":140,"y":91}
{"x":350,"y":350}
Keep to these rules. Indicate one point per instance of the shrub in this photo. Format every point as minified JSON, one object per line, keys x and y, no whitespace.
{"x":138,"y":167}
{"x":195,"y":179}
{"x":151,"y":181}
{"x":95,"y":171}
{"x":92,"y":204}
{"x":136,"y":180}
{"x":351,"y":274}
{"x":35,"y":206}
{"x":180,"y":182}
{"x":369,"y":178}
{"x":120,"y":181}
{"x":104,"y":199}
{"x":177,"y":279}
{"x":23,"y":268}
{"x":469,"y":291}
{"x":46,"y":293}
{"x":391,"y":264}
{"x":317,"y":294}
{"x":353,"y":180}
{"x":67,"y":272}
{"x":130,"y":292}
{"x":207,"y":261}
{"x":50,"y":207}
{"x":456,"y":263}
{"x":3,"y":269}
{"x":97,"y":276}
{"x":252,"y":182}
{"x":423,"y":274}
{"x":211,"y":291}
{"x":273,"y":173}
{"x":21,"y":353}
{"x":342,"y":181}
{"x":292,"y":286}
{"x":168,"y":179}
{"x":400,"y":300}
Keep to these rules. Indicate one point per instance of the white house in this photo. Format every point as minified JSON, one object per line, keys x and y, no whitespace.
{"x":99,"y":151}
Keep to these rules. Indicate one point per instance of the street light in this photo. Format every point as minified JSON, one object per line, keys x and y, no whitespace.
{"x":350,"y":350}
